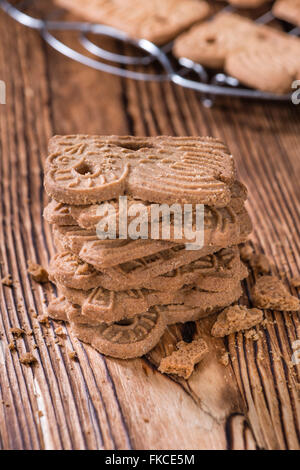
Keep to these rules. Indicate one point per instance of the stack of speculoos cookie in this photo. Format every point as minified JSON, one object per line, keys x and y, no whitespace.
{"x":120,"y":294}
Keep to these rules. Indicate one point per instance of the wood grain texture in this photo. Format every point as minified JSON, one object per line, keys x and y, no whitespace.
{"x":102,"y":403}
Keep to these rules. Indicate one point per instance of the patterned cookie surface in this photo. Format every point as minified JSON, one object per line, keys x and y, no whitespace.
{"x":209,"y":43}
{"x":105,"y":253}
{"x":214,"y":273}
{"x":259,"y":56}
{"x":153,"y":20}
{"x":107,"y":306}
{"x":270,"y":64}
{"x":58,"y":213}
{"x":126,"y":339}
{"x":87,"y":169}
{"x":101,"y":305}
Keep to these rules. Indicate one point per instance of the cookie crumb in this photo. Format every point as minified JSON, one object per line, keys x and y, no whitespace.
{"x":252,"y":334}
{"x":7,"y":281}
{"x":246,"y":252}
{"x":11,"y":346}
{"x":72,"y":355}
{"x":182,"y":361}
{"x":59,"y":331}
{"x":40,"y":414}
{"x":260,"y":263}
{"x":37,"y":272}
{"x":295,"y":281}
{"x":236,"y":318}
{"x":17,"y":332}
{"x":224,"y":359}
{"x":43,"y":319}
{"x":270,"y":292}
{"x":28,"y":359}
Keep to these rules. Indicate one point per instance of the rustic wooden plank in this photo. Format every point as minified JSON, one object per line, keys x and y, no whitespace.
{"x":102,"y":403}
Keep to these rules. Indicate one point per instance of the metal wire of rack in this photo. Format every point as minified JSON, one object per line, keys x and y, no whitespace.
{"x":219,"y":84}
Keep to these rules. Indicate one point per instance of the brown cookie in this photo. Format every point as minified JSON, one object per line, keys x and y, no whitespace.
{"x":180,"y":313}
{"x":196,"y":297}
{"x":68,"y":269}
{"x":105,"y":253}
{"x":58,"y":307}
{"x":266,"y":65}
{"x":214,"y":272}
{"x":259,"y":56}
{"x":153,"y":20}
{"x":84,"y":169}
{"x":183,"y":360}
{"x":209,"y":43}
{"x":140,"y":271}
{"x":109,"y":253}
{"x":58,"y":213}
{"x":107,"y":306}
{"x":248,"y":3}
{"x":236,"y":318}
{"x":270,"y":292}
{"x":89,"y":216}
{"x":126,"y":339}
{"x":288,"y":10}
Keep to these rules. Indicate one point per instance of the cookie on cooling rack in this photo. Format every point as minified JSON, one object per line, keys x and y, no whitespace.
{"x":155,"y":20}
{"x":288,"y":10}
{"x":258,"y":56}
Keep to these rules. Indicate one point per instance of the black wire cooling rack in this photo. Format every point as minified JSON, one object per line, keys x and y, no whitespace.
{"x":208,"y":86}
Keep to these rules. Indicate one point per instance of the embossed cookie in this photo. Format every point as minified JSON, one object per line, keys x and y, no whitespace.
{"x":214,"y":272}
{"x":109,"y":253}
{"x":288,"y":10}
{"x":209,"y":43}
{"x":220,"y":224}
{"x":58,"y":213}
{"x":180,"y":313}
{"x":259,"y":56}
{"x":270,"y":292}
{"x":126,"y":339}
{"x":183,"y":360}
{"x":153,"y":20}
{"x":58,"y":307}
{"x":142,"y":270}
{"x":109,"y":306}
{"x":89,"y":216}
{"x":68,"y":269}
{"x":84,"y":169}
{"x":236,"y":318}
{"x":269,"y":65}
{"x":105,"y":253}
{"x":196,"y":297}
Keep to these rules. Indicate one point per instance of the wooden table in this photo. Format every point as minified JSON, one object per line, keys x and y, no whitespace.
{"x":102,"y":403}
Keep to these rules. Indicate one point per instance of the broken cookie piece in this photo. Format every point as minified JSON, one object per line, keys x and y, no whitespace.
{"x":246,"y":252}
{"x":182,"y":361}
{"x":236,"y":318}
{"x":270,"y":292}
{"x":295,"y":281}
{"x":17,"y":332}
{"x":260,"y":263}
{"x":7,"y":281}
{"x":37,"y":272}
{"x":28,"y":359}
